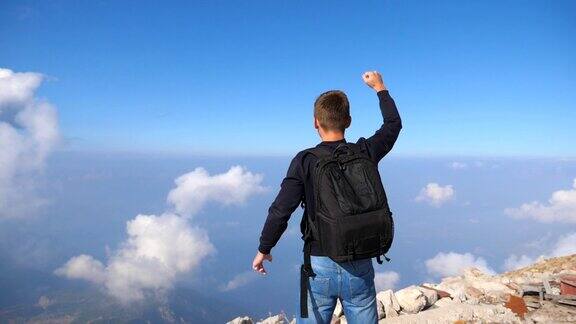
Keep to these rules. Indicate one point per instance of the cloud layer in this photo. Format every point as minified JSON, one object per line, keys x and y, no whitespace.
{"x":561,"y":207}
{"x":159,"y":248}
{"x":453,"y":264}
{"x":435,"y":194}
{"x":29,"y":131}
{"x":565,"y":245}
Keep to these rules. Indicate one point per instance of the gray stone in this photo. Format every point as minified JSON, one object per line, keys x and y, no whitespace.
{"x":241,"y":320}
{"x":458,"y":312}
{"x":446,"y":301}
{"x":276,"y":319}
{"x":411,"y":299}
{"x":380,"y":309}
{"x":459,"y":295}
{"x":430,"y":294}
{"x":389,"y":304}
{"x":338,"y":311}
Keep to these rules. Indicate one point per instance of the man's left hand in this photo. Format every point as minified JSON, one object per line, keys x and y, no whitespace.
{"x":258,"y":263}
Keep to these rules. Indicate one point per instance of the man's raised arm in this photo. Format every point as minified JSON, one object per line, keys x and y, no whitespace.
{"x":383,"y":140}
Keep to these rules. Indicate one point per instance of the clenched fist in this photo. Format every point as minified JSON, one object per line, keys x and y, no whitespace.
{"x":374,"y":80}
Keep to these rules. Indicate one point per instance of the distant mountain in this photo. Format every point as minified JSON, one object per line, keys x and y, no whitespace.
{"x":91,"y":306}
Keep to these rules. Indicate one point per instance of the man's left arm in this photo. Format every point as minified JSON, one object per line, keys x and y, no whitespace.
{"x":287,"y":200}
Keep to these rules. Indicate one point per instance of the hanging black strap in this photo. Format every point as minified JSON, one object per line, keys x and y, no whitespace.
{"x":311,"y":233}
{"x":306,"y":268}
{"x":305,"y":273}
{"x":379,"y":260}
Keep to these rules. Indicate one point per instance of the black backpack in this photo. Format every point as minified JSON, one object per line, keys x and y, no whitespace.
{"x":352,"y":219}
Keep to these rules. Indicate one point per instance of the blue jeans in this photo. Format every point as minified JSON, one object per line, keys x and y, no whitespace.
{"x":352,"y":282}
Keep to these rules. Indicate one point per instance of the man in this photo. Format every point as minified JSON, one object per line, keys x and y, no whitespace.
{"x":352,"y":282}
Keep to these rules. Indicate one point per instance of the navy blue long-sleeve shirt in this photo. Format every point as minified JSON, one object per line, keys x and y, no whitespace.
{"x":298,"y":183}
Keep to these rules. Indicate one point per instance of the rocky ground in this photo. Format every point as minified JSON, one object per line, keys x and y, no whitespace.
{"x":472,"y":297}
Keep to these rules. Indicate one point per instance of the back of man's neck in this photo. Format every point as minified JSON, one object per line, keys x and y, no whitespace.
{"x":333,"y":138}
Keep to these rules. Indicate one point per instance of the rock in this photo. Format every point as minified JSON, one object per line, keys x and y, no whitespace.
{"x":343,"y":320}
{"x":459,"y":295}
{"x":451,"y":285}
{"x":472,"y":292}
{"x":339,"y":320}
{"x":515,"y":287}
{"x":459,"y":312}
{"x":241,"y":320}
{"x":446,"y":301}
{"x":473,"y":274}
{"x":389,"y":302}
{"x":388,"y":295}
{"x":276,"y":319}
{"x":517,"y":305}
{"x":473,"y":295}
{"x":552,"y":313}
{"x":490,"y":285}
{"x":380,"y":309}
{"x":338,"y":311}
{"x":430,"y":294}
{"x":411,"y":299}
{"x":440,"y":293}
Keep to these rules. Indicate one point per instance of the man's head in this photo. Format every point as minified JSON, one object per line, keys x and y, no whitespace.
{"x":332,"y":112}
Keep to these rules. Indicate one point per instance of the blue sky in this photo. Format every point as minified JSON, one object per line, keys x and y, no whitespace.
{"x":489,"y":78}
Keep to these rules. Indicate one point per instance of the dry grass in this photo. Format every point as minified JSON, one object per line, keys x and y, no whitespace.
{"x":552,"y":265}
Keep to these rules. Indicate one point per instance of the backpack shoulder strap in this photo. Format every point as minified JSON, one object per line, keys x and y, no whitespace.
{"x":350,"y":148}
{"x":318,"y":151}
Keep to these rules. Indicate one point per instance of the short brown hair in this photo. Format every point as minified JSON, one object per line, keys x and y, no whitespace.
{"x":332,"y":110}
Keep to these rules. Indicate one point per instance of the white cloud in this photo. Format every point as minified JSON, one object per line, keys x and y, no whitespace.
{"x":157,"y":250}
{"x":566,"y":245}
{"x":458,"y":165}
{"x":28,"y":133}
{"x":160,"y":248}
{"x":514,"y":262}
{"x":239,"y":280}
{"x":435,"y":195}
{"x":17,"y":87}
{"x":83,"y":267}
{"x":386,"y":280}
{"x":453,"y":264}
{"x":561,"y":207}
{"x":196,"y":188}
